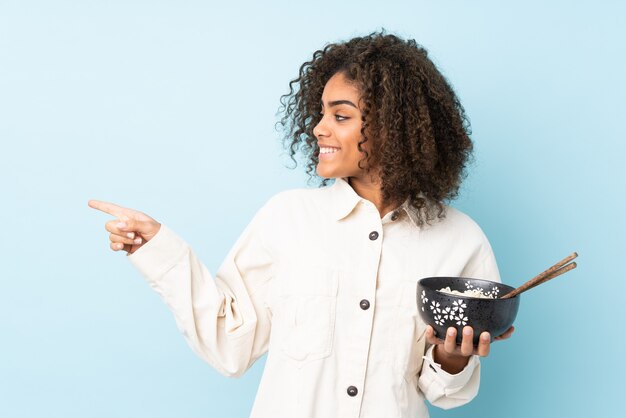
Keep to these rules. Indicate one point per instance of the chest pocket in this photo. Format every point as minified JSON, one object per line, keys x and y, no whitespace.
{"x":305,"y":318}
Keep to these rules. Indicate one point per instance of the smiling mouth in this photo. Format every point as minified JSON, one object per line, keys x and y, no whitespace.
{"x":328,"y":150}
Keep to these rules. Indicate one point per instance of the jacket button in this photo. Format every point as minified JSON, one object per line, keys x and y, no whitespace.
{"x":373,"y":235}
{"x":352,"y":391}
{"x":365,"y":304}
{"x":394,"y":216}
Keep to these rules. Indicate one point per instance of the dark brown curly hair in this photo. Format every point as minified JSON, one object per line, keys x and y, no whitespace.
{"x":418,"y":127}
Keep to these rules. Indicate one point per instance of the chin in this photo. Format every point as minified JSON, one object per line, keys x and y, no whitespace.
{"x":333,"y":171}
{"x":327,"y":174}
{"x":323,"y":173}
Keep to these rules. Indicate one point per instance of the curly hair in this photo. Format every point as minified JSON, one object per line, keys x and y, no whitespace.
{"x":418,"y":127}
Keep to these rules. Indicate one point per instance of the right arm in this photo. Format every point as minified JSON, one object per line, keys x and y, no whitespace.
{"x":224,"y":319}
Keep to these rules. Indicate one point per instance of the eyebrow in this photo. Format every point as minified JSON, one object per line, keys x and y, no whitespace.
{"x":340,"y":102}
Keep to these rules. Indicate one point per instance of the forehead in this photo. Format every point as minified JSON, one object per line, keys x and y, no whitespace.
{"x":338,"y":87}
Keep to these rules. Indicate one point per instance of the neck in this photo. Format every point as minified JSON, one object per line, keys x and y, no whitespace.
{"x":369,"y":187}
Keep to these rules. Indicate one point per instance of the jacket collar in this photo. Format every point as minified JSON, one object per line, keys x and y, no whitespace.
{"x":344,"y":199}
{"x":411,"y":212}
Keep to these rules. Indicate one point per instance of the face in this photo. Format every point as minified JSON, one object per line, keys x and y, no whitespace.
{"x":339,"y":131}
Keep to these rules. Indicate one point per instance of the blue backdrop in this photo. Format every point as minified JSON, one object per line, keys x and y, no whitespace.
{"x":169,"y":107}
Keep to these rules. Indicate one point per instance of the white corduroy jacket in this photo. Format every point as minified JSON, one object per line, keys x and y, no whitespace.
{"x":328,"y":289}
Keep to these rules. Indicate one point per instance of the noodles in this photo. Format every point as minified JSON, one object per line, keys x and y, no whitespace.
{"x":474,"y":293}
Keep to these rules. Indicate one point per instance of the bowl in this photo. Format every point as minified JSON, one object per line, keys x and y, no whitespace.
{"x":441,"y":310}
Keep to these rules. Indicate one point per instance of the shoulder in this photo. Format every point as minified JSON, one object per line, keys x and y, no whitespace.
{"x":481,"y":262}
{"x":289,"y":214}
{"x":457,"y":228}
{"x":291,"y":203}
{"x":461,"y":222}
{"x":292,"y":198}
{"x":467,"y":240}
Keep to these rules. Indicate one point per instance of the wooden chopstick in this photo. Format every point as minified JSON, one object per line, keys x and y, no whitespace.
{"x":557,"y":273}
{"x":543,"y":276}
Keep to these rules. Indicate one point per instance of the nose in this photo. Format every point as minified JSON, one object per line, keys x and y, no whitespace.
{"x":320,"y":129}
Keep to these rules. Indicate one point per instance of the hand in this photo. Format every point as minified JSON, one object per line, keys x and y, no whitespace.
{"x":452,"y":357}
{"x":131,"y":230}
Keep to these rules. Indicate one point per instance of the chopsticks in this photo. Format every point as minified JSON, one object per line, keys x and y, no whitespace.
{"x":549,"y":274}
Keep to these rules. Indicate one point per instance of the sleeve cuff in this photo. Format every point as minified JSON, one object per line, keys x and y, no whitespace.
{"x":159,"y":254}
{"x":437,"y":379}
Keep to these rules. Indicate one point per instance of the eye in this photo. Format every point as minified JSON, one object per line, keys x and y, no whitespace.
{"x":340,"y":118}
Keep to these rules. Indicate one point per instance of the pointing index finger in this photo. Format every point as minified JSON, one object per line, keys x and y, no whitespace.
{"x":107,"y":207}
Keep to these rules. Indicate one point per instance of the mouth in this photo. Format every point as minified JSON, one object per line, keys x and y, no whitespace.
{"x":328,"y":150}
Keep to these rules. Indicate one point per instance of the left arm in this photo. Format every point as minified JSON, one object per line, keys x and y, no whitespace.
{"x":450,"y":374}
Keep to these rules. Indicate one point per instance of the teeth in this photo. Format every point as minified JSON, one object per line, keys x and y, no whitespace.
{"x":324,"y":150}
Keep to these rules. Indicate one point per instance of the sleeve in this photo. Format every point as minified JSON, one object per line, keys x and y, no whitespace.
{"x":482,"y":264}
{"x":445,"y":390}
{"x":224,"y":319}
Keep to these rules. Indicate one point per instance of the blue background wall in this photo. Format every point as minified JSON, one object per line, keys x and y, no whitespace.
{"x":169,"y":107}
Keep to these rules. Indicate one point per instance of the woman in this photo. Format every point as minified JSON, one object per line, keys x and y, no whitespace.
{"x":324,"y":280}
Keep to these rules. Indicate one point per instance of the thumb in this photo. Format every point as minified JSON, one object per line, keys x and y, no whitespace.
{"x":146,"y":228}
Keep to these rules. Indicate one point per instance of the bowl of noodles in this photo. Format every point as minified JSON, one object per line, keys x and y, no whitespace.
{"x":457,"y":302}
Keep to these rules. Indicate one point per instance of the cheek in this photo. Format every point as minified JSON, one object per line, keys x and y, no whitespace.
{"x":354,"y":155}
{"x":353,"y":136}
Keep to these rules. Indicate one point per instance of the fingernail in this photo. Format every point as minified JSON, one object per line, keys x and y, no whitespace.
{"x":451,"y":332}
{"x":137,"y":241}
{"x":131,"y":235}
{"x":121,"y":225}
{"x":485,"y":337}
{"x":467,"y":331}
